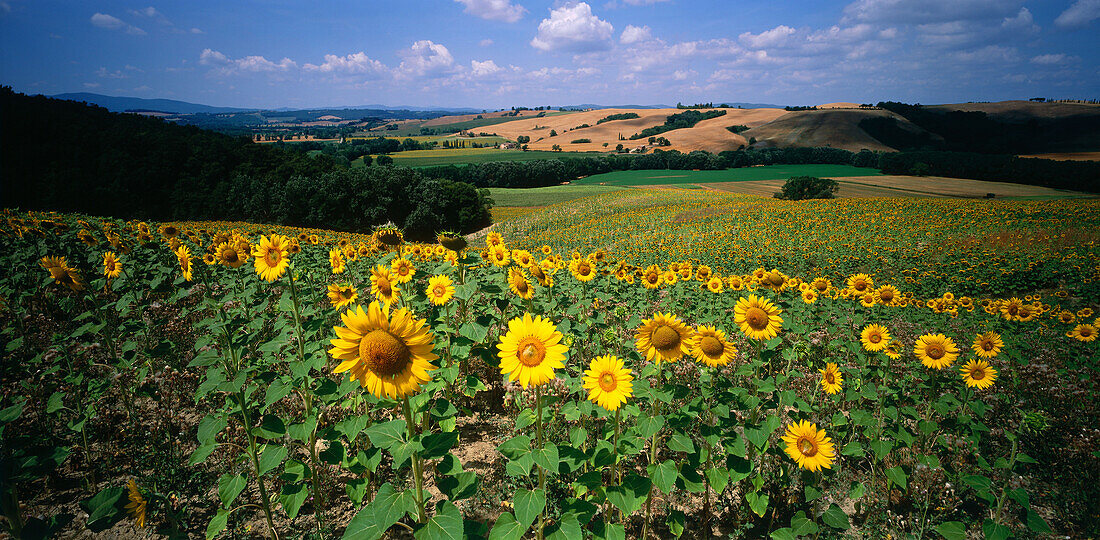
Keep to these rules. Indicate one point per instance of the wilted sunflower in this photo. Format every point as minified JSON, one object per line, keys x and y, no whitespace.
{"x":608,"y":382}
{"x":229,"y":255}
{"x":336,"y":261}
{"x":936,"y":351}
{"x":775,"y":280}
{"x":757,"y":317}
{"x":136,"y":507}
{"x":988,"y":345}
{"x":342,"y":295}
{"x":808,"y":446}
{"x":390,"y":355}
{"x":440,"y":289}
{"x":978,"y":374}
{"x":582,"y":269}
{"x":183,"y":253}
{"x":875,"y":337}
{"x":402,"y":270}
{"x":663,"y":338}
{"x":519,"y":284}
{"x":1083,"y":332}
{"x":67,"y":276}
{"x":271,"y":257}
{"x":112,"y":266}
{"x":383,"y":285}
{"x":831,"y":379}
{"x":531,"y":350}
{"x":710,"y":346}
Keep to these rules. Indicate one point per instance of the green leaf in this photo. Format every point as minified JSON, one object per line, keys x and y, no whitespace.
{"x":461,"y":485}
{"x":952,"y":530}
{"x":881,"y":447}
{"x":209,"y":428}
{"x":757,"y":503}
{"x":650,"y":425}
{"x":9,"y":414}
{"x":271,"y":458}
{"x":106,"y":508}
{"x":567,"y":528}
{"x":271,"y":427}
{"x":515,"y":447}
{"x":374,"y":519}
{"x":980,"y":483}
{"x":680,"y":443}
{"x":664,"y":475}
{"x":529,"y":504}
{"x":995,"y":531}
{"x":386,"y":435}
{"x":438,"y":444}
{"x":507,"y":528}
{"x":292,"y":497}
{"x":898,"y":477}
{"x":201,"y":453}
{"x":676,"y":519}
{"x":55,"y":404}
{"x":229,"y":486}
{"x":1036,"y":523}
{"x":547,"y":457}
{"x":803,"y":526}
{"x":446,"y":524}
{"x":629,"y":496}
{"x":835,"y":518}
{"x":217,"y":524}
{"x":785,"y":533}
{"x":856,"y":491}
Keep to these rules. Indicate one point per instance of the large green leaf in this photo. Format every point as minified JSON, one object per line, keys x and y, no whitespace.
{"x":374,"y":519}
{"x":664,"y":475}
{"x":446,"y":524}
{"x":952,"y":530}
{"x":507,"y":528}
{"x":529,"y":504}
{"x":461,"y":485}
{"x":836,"y":518}
{"x":629,"y":496}
{"x":229,"y":487}
{"x":386,"y":435}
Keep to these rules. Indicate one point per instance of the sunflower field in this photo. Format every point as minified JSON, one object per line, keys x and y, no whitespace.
{"x":639,"y":364}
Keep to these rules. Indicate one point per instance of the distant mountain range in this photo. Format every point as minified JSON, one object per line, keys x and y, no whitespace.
{"x":730,"y":103}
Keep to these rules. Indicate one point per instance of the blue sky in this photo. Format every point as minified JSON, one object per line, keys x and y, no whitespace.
{"x":499,"y":53}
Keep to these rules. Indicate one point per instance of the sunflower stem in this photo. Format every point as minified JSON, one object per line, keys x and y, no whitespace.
{"x":242,"y":400}
{"x":652,"y":459}
{"x":538,"y":438}
{"x":417,"y":472}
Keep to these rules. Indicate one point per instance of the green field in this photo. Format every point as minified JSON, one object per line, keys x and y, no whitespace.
{"x":462,"y":156}
{"x":770,"y":172}
{"x":545,"y":196}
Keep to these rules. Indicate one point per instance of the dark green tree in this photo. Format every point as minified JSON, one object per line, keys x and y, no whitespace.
{"x":799,"y":188}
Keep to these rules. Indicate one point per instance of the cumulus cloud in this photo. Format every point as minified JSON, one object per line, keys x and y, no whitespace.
{"x":152,"y":13}
{"x":484,"y":69}
{"x":425,"y":59}
{"x":1081,"y":13}
{"x":1023,"y":21}
{"x":573,"y":28}
{"x":254,"y":64}
{"x":776,"y":37}
{"x":109,"y":22}
{"x":634,"y":34}
{"x":357,"y":63}
{"x":494,"y":10}
{"x":1051,"y":59}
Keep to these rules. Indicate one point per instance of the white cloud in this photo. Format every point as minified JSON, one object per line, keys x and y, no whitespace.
{"x":681,"y":75}
{"x":494,"y":10}
{"x":1051,"y":59}
{"x":485,"y":42}
{"x":357,"y":63}
{"x":634,"y":34}
{"x":91,"y":85}
{"x":1081,"y":13}
{"x":484,"y":69}
{"x":104,"y":74}
{"x":573,"y":28}
{"x":210,"y":57}
{"x":102,"y":20}
{"x":425,"y":59}
{"x":1022,"y":22}
{"x":152,"y":13}
{"x":197,"y":31}
{"x":927,"y":11}
{"x":776,"y":37}
{"x":255,"y":64}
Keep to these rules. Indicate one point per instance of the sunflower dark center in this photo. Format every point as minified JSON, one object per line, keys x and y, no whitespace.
{"x":607,"y":382}
{"x":875,"y":337}
{"x":978,"y":374}
{"x":531,"y":352}
{"x":652,"y":277}
{"x":775,"y":279}
{"x":521,"y":286}
{"x":829,"y":378}
{"x":230,"y":256}
{"x":987,"y":345}
{"x":807,"y":447}
{"x":711,"y":346}
{"x":756,"y":318}
{"x":273,"y":256}
{"x":384,"y":287}
{"x":584,"y":269}
{"x":383,"y":353}
{"x":935,"y":351}
{"x":665,"y":338}
{"x":439,"y":291}
{"x":1085,"y":331}
{"x":886,"y":295}
{"x":821,"y":287}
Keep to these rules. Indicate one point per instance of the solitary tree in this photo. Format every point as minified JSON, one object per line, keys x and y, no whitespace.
{"x":799,"y":188}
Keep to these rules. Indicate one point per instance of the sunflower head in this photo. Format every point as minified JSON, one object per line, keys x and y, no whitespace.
{"x":531,"y":350}
{"x":136,"y":504}
{"x":383,"y":285}
{"x":389,"y":354}
{"x":272,"y":257}
{"x":875,"y":337}
{"x":519,"y":284}
{"x":978,"y":374}
{"x":988,"y":345}
{"x":440,"y":289}
{"x":831,"y":379}
{"x":608,"y":382}
{"x":809,"y":447}
{"x":340,"y":295}
{"x":710,"y":346}
{"x":1083,"y":332}
{"x":389,"y":235}
{"x":402,"y":270}
{"x":336,"y":261}
{"x":663,"y":338}
{"x":936,"y":351}
{"x":758,"y":318}
{"x":112,"y":266}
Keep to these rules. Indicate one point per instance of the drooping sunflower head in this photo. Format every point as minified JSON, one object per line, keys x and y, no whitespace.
{"x":452,"y":241}
{"x":875,"y":337}
{"x":383,"y":285}
{"x":978,"y":374}
{"x":440,"y":289}
{"x":136,"y":504}
{"x":183,"y":254}
{"x":775,"y":280}
{"x":710,"y":346}
{"x":609,"y":382}
{"x":112,"y":266}
{"x":402,"y":270}
{"x":936,"y":351}
{"x":758,"y":318}
{"x":663,"y":338}
{"x":809,"y":446}
{"x":389,"y":235}
{"x":272,"y":257}
{"x":340,"y":295}
{"x":519,"y":284}
{"x":169,"y":231}
{"x":831,"y":379}
{"x":988,"y":345}
{"x":531,"y":350}
{"x":389,"y":354}
{"x":336,"y":261}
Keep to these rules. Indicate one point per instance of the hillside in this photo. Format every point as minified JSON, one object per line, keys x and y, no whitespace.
{"x":837,"y":128}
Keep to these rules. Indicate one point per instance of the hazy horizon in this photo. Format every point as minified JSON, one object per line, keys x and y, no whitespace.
{"x":493,"y":54}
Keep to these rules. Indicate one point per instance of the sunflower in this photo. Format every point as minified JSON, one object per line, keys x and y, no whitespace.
{"x":403,"y":270}
{"x":831,"y":379}
{"x":670,"y":278}
{"x":1010,"y":309}
{"x":209,"y":258}
{"x":342,"y":295}
{"x":664,"y":337}
{"x":891,"y":351}
{"x":860,"y":282}
{"x":494,"y":239}
{"x":710,"y":346}
{"x":389,"y":355}
{"x":1067,"y":317}
{"x":1083,"y":332}
{"x":936,"y":351}
{"x":702,"y":273}
{"x":499,"y":255}
{"x":775,"y":280}
{"x":271,"y":257}
{"x":229,"y":255}
{"x":112,"y":266}
{"x":809,"y":296}
{"x":136,"y":506}
{"x":714,"y":284}
{"x":543,"y":279}
{"x":314,"y":239}
{"x":608,"y":382}
{"x":978,"y":374}
{"x":808,"y":446}
{"x":184,"y":256}
{"x":874,"y":337}
{"x":887,"y":295}
{"x":652,"y":277}
{"x":868,"y":299}
{"x":169,"y":231}
{"x":735,"y":282}
{"x":821,"y":285}
{"x":582,"y":270}
{"x":987,"y":345}
{"x":67,"y":276}
{"x":440,"y":289}
{"x":383,"y":285}
{"x":336,"y":261}
{"x":757,"y":317}
{"x":531,"y":350}
{"x":53,"y":265}
{"x":519,"y":284}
